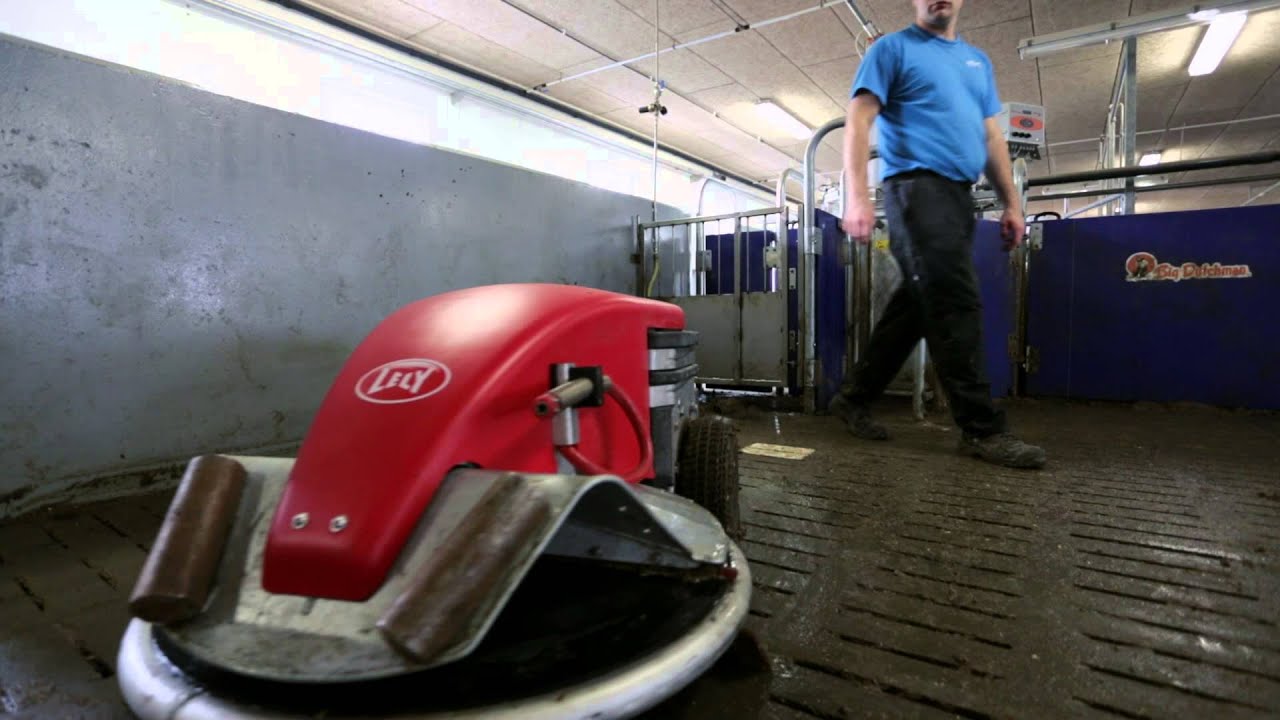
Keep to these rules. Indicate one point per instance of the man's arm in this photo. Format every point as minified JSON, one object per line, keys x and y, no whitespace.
{"x":1000,"y":173}
{"x":859,"y":214}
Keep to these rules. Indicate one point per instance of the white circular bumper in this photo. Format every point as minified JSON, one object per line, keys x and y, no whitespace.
{"x":154,"y":688}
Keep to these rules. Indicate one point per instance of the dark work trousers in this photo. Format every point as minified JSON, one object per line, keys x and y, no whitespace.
{"x":931,"y":224}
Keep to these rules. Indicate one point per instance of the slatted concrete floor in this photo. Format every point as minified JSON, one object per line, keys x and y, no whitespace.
{"x":1136,"y":577}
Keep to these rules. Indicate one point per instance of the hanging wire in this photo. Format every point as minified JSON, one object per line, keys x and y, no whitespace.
{"x":657,"y":105}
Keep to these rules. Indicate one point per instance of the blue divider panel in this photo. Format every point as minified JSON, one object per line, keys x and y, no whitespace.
{"x":831,"y":324}
{"x":755,"y":278}
{"x":1163,"y":307}
{"x":995,"y":286}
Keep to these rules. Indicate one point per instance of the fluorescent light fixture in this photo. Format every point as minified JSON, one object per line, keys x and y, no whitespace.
{"x":772,"y":113}
{"x":1218,"y":39}
{"x":1151,"y":158}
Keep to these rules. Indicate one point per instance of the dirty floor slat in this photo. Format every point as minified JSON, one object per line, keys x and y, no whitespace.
{"x":1135,"y":577}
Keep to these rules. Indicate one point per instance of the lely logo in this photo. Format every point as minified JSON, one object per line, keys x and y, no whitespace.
{"x":403,"y":381}
{"x":1143,"y":266}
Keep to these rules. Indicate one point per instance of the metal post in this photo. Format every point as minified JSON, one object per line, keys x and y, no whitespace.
{"x":780,"y":194}
{"x":1130,"y":118}
{"x":917,"y":393}
{"x":737,"y":290}
{"x":808,"y":258}
{"x":638,"y":234}
{"x":702,"y":192}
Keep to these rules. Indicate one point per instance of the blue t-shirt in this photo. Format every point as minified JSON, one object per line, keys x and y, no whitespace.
{"x":935,"y":95}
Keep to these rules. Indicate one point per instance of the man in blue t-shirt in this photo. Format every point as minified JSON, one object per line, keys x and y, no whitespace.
{"x":933,"y":100}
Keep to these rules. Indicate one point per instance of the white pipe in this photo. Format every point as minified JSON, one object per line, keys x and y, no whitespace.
{"x":619,"y":63}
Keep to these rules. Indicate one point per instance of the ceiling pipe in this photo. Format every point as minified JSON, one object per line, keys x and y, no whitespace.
{"x":678,"y":46}
{"x":1198,"y":14}
{"x":867,"y":26}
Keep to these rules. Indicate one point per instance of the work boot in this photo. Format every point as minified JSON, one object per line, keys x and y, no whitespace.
{"x":858,"y":419}
{"x":1003,"y":449}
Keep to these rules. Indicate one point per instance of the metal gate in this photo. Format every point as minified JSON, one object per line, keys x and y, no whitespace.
{"x":736,"y":278}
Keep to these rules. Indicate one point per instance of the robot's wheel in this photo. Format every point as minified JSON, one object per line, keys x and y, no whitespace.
{"x":707,"y":469}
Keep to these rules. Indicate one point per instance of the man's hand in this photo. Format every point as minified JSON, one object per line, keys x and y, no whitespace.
{"x":1012,"y":227}
{"x":859,"y":218}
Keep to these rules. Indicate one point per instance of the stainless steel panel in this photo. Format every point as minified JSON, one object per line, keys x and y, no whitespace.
{"x":715,"y":317}
{"x":764,"y":336}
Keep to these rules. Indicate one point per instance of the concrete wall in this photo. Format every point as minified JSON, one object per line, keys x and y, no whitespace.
{"x":183,"y":273}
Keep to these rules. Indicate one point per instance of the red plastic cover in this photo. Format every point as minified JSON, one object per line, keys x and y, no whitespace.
{"x":445,"y":381}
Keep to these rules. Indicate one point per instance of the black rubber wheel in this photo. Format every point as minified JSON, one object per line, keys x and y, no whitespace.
{"x":707,"y":469}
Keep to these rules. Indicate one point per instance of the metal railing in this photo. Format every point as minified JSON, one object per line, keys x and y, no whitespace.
{"x":699,"y":272}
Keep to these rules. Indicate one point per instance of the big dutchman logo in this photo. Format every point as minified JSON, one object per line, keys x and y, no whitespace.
{"x":403,"y":381}
{"x":1143,"y":266}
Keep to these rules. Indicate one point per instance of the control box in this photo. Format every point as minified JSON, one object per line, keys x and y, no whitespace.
{"x":1023,"y":129}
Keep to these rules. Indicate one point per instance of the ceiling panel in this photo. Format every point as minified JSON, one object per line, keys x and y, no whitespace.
{"x":1180,"y":144}
{"x":393,"y":17}
{"x":1156,"y":105}
{"x":753,"y":63}
{"x":684,"y":71}
{"x":835,"y":77}
{"x":809,"y":39}
{"x":1267,"y":100}
{"x":1163,"y":57}
{"x":1018,"y":80}
{"x":505,"y":25}
{"x":1076,"y":98}
{"x":677,"y":16}
{"x":807,"y":63}
{"x":887,"y":15}
{"x":452,"y":41}
{"x":1075,"y":161}
{"x":606,"y":25}
{"x":736,"y":105}
{"x":982,"y":13}
{"x":621,"y":82}
{"x":586,"y":96}
{"x":1053,"y":16}
{"x":756,"y":10}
